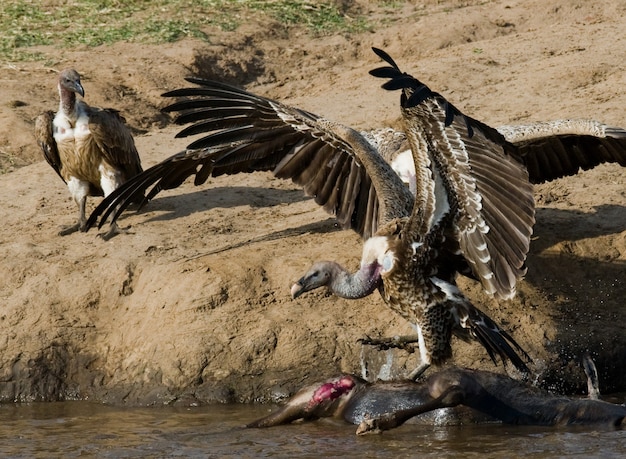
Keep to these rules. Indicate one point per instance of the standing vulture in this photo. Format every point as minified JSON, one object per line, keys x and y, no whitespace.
{"x":90,"y":148}
{"x":473,"y":210}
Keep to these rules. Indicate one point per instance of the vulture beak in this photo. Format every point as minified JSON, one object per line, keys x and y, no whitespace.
{"x":317,"y":276}
{"x":298,"y":289}
{"x":69,"y":80}
{"x":78,"y":88}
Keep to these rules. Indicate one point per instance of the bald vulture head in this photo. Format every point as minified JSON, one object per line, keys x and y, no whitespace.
{"x":319,"y":275}
{"x":341,"y":282}
{"x":69,"y":80}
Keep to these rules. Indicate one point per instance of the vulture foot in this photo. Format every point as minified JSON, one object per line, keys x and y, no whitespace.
{"x":407,"y":343}
{"x":114,"y":230}
{"x":419,"y":371}
{"x":65,"y":230}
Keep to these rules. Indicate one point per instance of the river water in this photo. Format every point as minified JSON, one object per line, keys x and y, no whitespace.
{"x":83,"y":429}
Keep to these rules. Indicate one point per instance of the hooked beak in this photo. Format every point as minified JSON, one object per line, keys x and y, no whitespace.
{"x":78,"y":88}
{"x":297,"y":289}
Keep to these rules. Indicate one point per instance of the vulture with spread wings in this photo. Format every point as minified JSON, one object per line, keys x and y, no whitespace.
{"x":471,"y":212}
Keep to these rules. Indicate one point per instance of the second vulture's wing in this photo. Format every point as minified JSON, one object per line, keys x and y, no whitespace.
{"x":555,"y":149}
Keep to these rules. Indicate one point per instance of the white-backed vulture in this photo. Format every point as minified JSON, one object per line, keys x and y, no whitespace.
{"x":472,"y":213}
{"x":90,"y":148}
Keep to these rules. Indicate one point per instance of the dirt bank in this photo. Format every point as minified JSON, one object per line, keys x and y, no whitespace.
{"x":195,"y":305}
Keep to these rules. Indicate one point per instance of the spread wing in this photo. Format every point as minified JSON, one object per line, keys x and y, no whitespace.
{"x":45,"y":138}
{"x":114,"y":139}
{"x":549,"y":149}
{"x":481,"y":179}
{"x":555,"y":149}
{"x":244,"y":133}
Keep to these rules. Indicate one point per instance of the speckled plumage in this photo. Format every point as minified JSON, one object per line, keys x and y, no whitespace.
{"x":472,"y":211}
{"x":548,"y":149}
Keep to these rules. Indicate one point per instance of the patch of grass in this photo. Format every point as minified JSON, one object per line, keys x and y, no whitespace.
{"x":26,"y":23}
{"x":319,"y":17}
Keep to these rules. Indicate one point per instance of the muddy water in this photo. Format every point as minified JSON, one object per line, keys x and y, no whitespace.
{"x":81,"y":429}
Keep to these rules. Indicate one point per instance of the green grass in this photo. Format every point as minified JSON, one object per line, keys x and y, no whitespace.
{"x":96,"y":22}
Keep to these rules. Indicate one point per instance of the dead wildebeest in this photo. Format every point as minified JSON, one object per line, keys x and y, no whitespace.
{"x":379,"y":406}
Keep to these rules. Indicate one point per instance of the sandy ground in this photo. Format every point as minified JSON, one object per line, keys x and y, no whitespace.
{"x":194,"y":305}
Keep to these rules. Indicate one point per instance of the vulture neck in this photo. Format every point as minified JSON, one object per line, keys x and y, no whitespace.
{"x":67,"y":106}
{"x":355,"y":285}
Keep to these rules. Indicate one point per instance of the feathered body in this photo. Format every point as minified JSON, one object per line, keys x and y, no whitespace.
{"x":472,"y":211}
{"x":90,"y":148}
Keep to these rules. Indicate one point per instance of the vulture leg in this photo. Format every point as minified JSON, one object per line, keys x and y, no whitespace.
{"x":419,"y":371}
{"x":406,"y":343}
{"x":109,"y":182}
{"x":79,"y":191}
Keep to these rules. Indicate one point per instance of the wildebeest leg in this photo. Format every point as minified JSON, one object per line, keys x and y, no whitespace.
{"x":452,"y":396}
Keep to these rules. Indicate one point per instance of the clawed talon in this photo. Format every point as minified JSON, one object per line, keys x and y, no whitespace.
{"x":65,"y":230}
{"x":407,"y":343}
{"x":114,"y":230}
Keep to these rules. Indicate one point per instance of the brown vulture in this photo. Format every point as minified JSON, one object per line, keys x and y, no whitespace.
{"x":92,"y":149}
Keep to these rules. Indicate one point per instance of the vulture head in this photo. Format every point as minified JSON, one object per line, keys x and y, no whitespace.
{"x":69,"y":80}
{"x":321,"y":274}
{"x":339,"y":281}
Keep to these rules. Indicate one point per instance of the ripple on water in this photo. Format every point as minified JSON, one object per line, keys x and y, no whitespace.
{"x":74,"y":429}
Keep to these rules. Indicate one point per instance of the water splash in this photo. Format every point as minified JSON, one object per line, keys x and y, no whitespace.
{"x":381,"y":365}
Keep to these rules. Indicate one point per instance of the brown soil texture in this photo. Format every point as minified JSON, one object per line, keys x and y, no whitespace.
{"x":194,"y":306}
